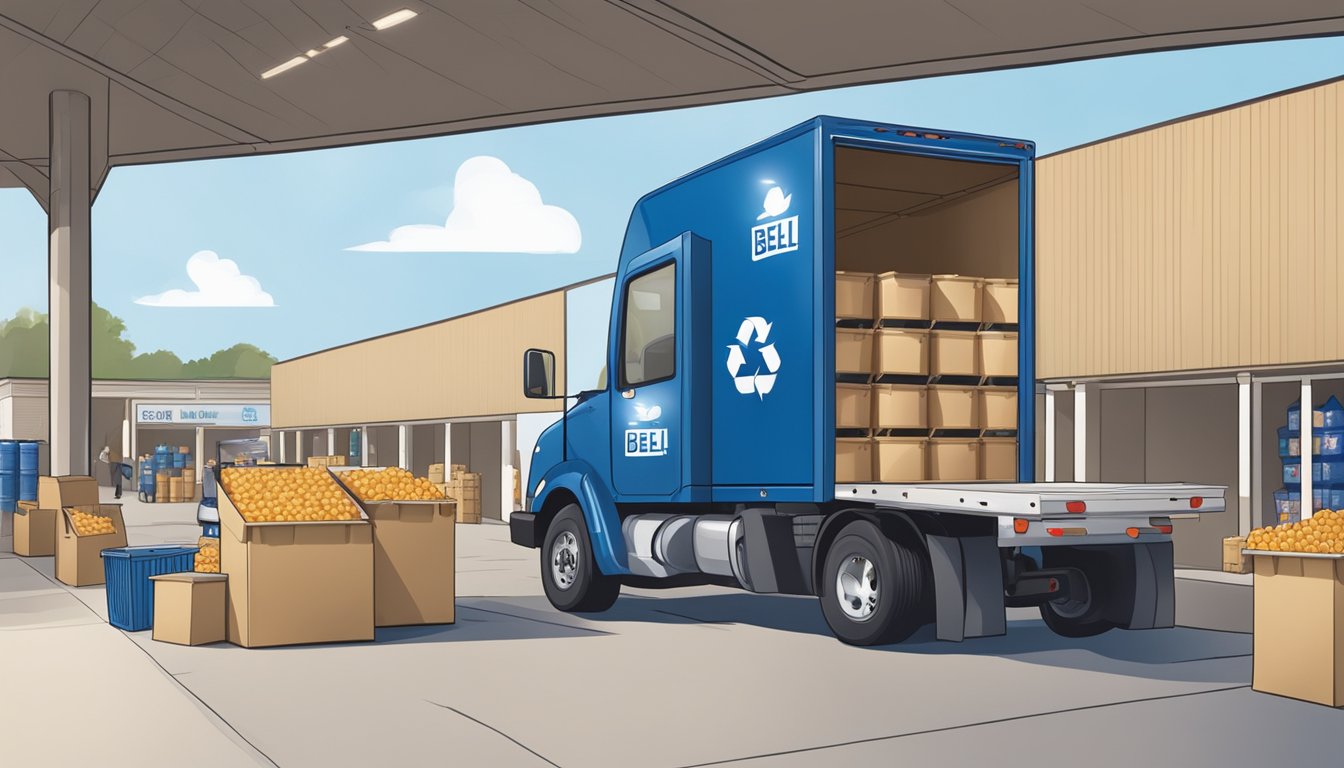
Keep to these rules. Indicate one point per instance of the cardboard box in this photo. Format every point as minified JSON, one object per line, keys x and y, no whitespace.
{"x":955,"y":298}
{"x":854,"y":295}
{"x":902,"y":297}
{"x":853,"y":406}
{"x":953,"y":353}
{"x":79,"y":560}
{"x":997,"y":352}
{"x":853,"y":460}
{"x":189,"y":608}
{"x":997,"y":407}
{"x":998,"y":459}
{"x":34,"y":530}
{"x":953,"y":459}
{"x":469,"y":511}
{"x":952,"y":407}
{"x":293,"y":583}
{"x":436,"y":474}
{"x":853,"y":350}
{"x":458,"y":469}
{"x":1233,"y":560}
{"x":326,"y":461}
{"x":998,"y":301}
{"x":902,"y":352}
{"x":1298,"y":638}
{"x":900,"y":406}
{"x":413,"y":559}
{"x":413,"y":562}
{"x":67,"y":491}
{"x":900,"y":459}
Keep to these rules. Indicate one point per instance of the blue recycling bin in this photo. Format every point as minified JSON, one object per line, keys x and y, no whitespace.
{"x":130,"y":593}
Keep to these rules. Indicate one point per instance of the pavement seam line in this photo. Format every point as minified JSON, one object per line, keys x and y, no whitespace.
{"x":539,"y":621}
{"x":166,"y":673}
{"x":996,"y":721}
{"x":484,"y":724}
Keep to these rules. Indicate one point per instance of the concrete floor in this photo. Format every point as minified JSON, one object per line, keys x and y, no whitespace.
{"x":687,"y":677}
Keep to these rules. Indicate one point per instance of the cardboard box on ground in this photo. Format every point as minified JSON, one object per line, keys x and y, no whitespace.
{"x":79,"y":561}
{"x":295,"y":582}
{"x":1298,"y":639}
{"x":189,"y":608}
{"x":34,"y":530}
{"x":414,"y":560}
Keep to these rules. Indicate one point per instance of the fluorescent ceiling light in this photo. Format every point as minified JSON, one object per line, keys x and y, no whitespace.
{"x":393,"y":19}
{"x":335,"y":41}
{"x":288,"y":65}
{"x":312,"y":52}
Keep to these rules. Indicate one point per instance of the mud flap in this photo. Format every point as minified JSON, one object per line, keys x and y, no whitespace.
{"x":1154,"y":604}
{"x":968,"y":586}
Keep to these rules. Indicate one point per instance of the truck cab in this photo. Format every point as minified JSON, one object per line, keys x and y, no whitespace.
{"x":715,"y":453}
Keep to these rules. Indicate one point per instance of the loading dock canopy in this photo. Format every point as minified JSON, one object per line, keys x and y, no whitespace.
{"x":180,"y":79}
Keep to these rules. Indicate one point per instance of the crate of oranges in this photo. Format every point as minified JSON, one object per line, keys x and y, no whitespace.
{"x":1299,"y":582}
{"x":207,"y":555}
{"x":413,"y":544}
{"x":82,"y":533}
{"x":298,"y":551}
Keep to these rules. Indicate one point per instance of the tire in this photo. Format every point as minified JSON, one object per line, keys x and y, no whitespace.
{"x":872,"y":588}
{"x":1086,"y":616}
{"x":568,"y":574}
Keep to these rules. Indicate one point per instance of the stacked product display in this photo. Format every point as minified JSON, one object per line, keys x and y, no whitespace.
{"x":462,"y":486}
{"x":167,"y":475}
{"x":1327,"y":461}
{"x":926,"y":371}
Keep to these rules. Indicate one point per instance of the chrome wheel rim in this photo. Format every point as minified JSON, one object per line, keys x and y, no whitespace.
{"x":564,"y":560}
{"x":857,"y":588}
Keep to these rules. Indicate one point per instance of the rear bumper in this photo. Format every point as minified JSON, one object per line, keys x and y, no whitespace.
{"x":523,"y":529}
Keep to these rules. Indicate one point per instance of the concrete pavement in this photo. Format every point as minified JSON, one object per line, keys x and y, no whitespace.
{"x":685,"y":677}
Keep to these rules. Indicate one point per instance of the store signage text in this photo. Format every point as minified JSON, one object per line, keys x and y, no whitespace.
{"x":205,"y":414}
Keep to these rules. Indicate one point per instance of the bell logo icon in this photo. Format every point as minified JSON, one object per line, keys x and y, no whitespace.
{"x":774,"y":237}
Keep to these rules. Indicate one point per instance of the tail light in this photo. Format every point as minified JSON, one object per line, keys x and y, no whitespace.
{"x":1076,"y":507}
{"x":1196,"y":502}
{"x":1020,"y":524}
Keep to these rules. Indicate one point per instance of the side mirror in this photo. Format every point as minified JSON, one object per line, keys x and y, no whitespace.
{"x":539,"y":373}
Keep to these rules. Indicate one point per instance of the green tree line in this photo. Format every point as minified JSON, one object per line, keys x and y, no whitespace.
{"x":23,"y":353}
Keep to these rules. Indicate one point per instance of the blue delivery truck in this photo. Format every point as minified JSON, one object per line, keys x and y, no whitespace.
{"x":710,"y":455}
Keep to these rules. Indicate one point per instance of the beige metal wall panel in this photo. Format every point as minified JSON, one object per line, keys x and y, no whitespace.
{"x":1214,"y":242}
{"x":466,"y":366}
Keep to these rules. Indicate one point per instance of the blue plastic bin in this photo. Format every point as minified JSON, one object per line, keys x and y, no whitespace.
{"x":130,"y":593}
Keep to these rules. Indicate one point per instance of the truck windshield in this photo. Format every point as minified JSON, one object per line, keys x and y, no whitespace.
{"x":648,"y":338}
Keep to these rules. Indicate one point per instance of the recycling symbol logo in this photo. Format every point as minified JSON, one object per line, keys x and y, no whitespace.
{"x":753,"y":337}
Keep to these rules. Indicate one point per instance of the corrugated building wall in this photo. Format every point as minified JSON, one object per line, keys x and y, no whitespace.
{"x":1212,"y":242}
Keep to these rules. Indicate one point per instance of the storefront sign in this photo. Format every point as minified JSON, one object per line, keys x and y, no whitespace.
{"x":204,"y":414}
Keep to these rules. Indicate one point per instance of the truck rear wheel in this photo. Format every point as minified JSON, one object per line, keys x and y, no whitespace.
{"x":568,"y":572}
{"x":1082,"y":613}
{"x":871,"y":587}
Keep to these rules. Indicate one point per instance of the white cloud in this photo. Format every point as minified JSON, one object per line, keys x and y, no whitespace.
{"x":494,"y":211}
{"x":219,"y":283}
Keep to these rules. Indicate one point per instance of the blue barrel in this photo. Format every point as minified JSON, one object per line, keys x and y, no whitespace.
{"x":28,"y":470}
{"x":162,"y":458}
{"x":179,"y":460}
{"x":9,"y":475}
{"x":147,"y":481}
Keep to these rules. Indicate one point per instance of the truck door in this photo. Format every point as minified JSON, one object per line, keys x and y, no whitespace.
{"x":650,"y":369}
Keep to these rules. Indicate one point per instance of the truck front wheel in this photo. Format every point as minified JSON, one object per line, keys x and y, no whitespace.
{"x":871,"y":587}
{"x":568,"y":573}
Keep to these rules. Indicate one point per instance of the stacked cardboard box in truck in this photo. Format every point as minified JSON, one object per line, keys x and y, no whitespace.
{"x":465,"y":488}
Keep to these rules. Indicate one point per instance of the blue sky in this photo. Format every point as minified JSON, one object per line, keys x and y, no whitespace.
{"x":287,"y":220}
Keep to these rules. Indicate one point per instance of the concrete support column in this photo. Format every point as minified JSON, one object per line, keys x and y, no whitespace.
{"x":331,"y":441}
{"x":506,"y":451}
{"x":298,"y":446}
{"x":1049,"y":435}
{"x":70,"y":300}
{"x":283,"y":451}
{"x":1308,"y":456}
{"x":364,"y":446}
{"x":1257,"y":453}
{"x":447,"y":449}
{"x":200,"y":453}
{"x":403,"y":446}
{"x":1080,"y":393}
{"x":1244,"y":416}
